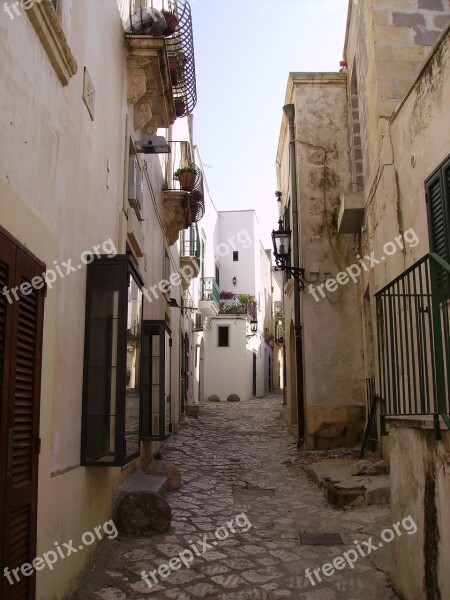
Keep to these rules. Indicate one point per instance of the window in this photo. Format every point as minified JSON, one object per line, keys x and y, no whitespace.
{"x":217,"y":275}
{"x":223,"y":336}
{"x":112,"y":378}
{"x":21,"y":323}
{"x":438,"y":201}
{"x":156,"y":352}
{"x":235,"y":256}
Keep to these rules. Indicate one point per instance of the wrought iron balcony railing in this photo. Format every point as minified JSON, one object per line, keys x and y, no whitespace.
{"x":413,"y":314}
{"x":183,"y":174}
{"x":179,"y":44}
{"x":180,"y":52}
{"x":209,"y":290}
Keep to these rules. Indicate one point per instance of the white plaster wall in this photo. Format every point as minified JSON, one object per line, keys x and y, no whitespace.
{"x":55,"y":199}
{"x":231,"y":225}
{"x":228,"y":370}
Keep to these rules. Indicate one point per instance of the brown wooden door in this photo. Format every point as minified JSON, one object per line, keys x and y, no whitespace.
{"x":21,"y":323}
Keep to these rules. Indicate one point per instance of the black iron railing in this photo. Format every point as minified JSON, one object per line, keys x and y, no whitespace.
{"x":413,"y":314}
{"x":179,"y":43}
{"x":180,"y":52}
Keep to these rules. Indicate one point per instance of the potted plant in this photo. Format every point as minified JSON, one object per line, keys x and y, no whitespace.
{"x":186,"y":177}
{"x":180,"y":105}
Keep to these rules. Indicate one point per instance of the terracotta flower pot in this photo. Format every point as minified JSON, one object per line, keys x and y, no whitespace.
{"x":186,"y":180}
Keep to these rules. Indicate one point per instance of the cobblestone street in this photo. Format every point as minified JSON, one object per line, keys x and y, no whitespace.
{"x":235,"y":458}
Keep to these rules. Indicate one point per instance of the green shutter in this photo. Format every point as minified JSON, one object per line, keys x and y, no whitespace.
{"x":438,"y":194}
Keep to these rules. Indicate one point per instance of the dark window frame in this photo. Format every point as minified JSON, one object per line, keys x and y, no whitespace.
{"x":235,"y":255}
{"x":152,"y":328}
{"x":126,"y":268}
{"x":217,"y":274}
{"x":223,"y":328}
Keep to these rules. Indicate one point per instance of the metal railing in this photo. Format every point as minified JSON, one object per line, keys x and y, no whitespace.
{"x":180,"y":52}
{"x":413,"y":316}
{"x":209,"y":290}
{"x":236,"y":308}
{"x":179,"y":47}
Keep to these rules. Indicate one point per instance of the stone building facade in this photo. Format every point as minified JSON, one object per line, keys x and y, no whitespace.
{"x":384,"y":216}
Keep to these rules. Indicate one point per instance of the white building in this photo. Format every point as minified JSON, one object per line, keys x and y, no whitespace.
{"x":235,"y":289}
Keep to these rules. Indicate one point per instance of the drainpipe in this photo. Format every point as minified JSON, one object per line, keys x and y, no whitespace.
{"x":289,"y":111}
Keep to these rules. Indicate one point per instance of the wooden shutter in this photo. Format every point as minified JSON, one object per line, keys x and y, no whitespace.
{"x":21,"y":323}
{"x":438,"y":193}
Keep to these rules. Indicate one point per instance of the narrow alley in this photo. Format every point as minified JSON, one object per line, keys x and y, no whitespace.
{"x":235,"y":464}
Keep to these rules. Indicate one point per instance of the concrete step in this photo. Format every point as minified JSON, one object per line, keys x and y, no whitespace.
{"x":142,"y":482}
{"x":341,"y":488}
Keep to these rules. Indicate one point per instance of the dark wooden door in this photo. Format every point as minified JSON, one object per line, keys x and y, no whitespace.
{"x":21,"y":323}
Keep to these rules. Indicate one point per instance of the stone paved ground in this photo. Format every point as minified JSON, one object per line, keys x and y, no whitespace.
{"x":234,"y":458}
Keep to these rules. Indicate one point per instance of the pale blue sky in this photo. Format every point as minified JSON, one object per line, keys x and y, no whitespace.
{"x":244,"y":51}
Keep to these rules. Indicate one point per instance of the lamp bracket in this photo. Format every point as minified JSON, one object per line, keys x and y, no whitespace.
{"x":297,"y":273}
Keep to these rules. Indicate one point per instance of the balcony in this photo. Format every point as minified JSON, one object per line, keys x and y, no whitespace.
{"x":160,"y":62}
{"x":183,"y":191}
{"x":208,"y":305}
{"x":190,"y":254}
{"x":238,"y":304}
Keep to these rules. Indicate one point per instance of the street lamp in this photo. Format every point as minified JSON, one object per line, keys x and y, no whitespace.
{"x":253,"y":328}
{"x":281,"y":239}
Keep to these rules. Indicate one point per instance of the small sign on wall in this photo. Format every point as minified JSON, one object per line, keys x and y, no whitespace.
{"x":89,"y":93}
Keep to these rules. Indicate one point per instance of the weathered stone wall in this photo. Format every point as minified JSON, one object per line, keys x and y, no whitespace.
{"x":420,"y":487}
{"x":387,"y":43}
{"x":333,"y":359}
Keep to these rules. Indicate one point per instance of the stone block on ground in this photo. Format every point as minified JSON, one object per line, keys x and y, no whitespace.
{"x":360,"y":467}
{"x":379,"y":468}
{"x":233,"y":398}
{"x":167,"y":469}
{"x":143,"y":513}
{"x":378,"y":492}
